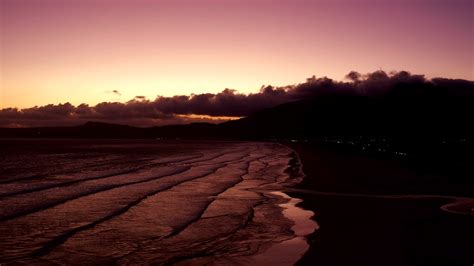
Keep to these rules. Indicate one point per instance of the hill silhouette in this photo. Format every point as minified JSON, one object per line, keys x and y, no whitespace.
{"x":400,"y":106}
{"x":401,"y":112}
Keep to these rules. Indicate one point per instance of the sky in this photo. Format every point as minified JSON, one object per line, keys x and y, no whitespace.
{"x":93,"y":51}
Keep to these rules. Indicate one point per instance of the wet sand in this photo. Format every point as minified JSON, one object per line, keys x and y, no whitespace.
{"x":142,"y":202}
{"x":365,"y":217}
{"x":290,"y":251}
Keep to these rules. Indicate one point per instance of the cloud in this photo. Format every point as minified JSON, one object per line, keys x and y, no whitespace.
{"x":116,"y":92}
{"x":179,"y":109}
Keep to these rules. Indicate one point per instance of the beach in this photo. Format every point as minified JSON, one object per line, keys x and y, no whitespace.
{"x":222,"y":203}
{"x":374,"y":211}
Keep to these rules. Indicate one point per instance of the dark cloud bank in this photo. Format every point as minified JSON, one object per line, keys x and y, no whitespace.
{"x":174,"y":110}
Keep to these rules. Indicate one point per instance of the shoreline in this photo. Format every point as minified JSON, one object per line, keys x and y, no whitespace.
{"x":451,"y":203}
{"x":289,"y":252}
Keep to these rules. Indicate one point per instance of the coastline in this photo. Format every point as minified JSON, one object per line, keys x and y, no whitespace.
{"x":366,"y":227}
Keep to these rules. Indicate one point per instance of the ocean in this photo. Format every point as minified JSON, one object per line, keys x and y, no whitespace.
{"x":149,"y":202}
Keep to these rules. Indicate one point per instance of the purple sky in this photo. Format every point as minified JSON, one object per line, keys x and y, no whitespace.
{"x":57,"y":51}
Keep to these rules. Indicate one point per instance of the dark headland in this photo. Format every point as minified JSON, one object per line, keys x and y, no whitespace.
{"x":380,"y":168}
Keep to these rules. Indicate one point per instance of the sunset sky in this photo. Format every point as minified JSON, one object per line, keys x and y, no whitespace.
{"x":57,"y":51}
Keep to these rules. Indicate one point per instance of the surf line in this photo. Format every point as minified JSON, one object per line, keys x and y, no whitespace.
{"x":290,"y":251}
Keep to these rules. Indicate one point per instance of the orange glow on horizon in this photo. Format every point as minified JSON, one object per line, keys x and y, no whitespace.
{"x":208,"y":117}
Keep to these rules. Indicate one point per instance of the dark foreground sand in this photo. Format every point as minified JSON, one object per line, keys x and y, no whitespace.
{"x":357,"y":228}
